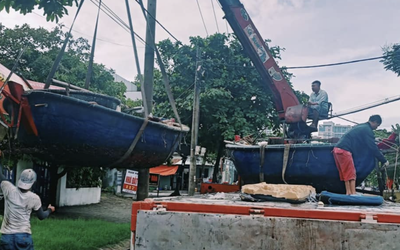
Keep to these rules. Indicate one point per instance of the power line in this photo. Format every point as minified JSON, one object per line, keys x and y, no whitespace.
{"x":162,"y":26}
{"x":117,"y":20}
{"x":99,"y":39}
{"x":202,"y":18}
{"x":215,"y":16}
{"x":336,"y":64}
{"x":347,"y":120}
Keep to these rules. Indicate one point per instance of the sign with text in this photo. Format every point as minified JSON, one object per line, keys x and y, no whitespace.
{"x":130,"y":182}
{"x":154,"y":179}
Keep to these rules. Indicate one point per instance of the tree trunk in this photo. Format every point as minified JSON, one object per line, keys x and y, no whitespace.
{"x":220,"y":146}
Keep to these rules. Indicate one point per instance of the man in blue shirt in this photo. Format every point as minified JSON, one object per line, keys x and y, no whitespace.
{"x":318,"y":103}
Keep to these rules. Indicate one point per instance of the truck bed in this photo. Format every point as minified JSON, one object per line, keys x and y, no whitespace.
{"x":223,"y":221}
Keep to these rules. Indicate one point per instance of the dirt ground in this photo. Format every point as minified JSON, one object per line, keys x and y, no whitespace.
{"x":111,"y":208}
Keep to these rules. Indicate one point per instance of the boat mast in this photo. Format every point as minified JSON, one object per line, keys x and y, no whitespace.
{"x":149,"y":53}
{"x":143,"y":183}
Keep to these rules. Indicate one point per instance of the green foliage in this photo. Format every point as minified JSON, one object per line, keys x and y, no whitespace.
{"x":52,"y":10}
{"x":84,"y":177}
{"x":233,"y":99}
{"x":127,"y":103}
{"x":391,"y":59}
{"x":371,"y":180}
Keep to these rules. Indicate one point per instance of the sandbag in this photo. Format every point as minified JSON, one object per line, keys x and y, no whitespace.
{"x":279,"y":192}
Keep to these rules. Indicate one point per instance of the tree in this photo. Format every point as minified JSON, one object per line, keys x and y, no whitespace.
{"x":391,"y":155}
{"x":42,"y":46}
{"x":391,"y":59}
{"x":52,"y":10}
{"x":233,"y":99}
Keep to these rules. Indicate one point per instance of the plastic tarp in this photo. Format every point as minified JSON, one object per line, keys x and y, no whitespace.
{"x":164,"y":170}
{"x":4,"y":72}
{"x":342,"y":199}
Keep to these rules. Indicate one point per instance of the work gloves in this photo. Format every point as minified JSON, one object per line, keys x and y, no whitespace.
{"x":386,"y":164}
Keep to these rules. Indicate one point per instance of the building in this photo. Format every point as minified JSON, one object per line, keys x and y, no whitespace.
{"x":131,"y":89}
{"x":331,"y":130}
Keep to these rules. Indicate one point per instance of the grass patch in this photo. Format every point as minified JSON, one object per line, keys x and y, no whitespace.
{"x":73,"y":234}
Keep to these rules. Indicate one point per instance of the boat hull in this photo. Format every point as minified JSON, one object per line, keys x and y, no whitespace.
{"x":74,"y":132}
{"x":308,"y":164}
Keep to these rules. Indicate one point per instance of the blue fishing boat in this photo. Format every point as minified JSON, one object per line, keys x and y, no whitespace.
{"x":85,"y":129}
{"x":307,"y":164}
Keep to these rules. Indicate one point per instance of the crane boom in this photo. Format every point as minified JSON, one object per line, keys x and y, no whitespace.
{"x":254,"y":45}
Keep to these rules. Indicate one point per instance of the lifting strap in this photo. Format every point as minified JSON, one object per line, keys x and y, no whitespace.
{"x":285,"y":161}
{"x":133,"y":145}
{"x":90,"y":67}
{"x":146,"y":121}
{"x":262,"y":160}
{"x":146,"y":110}
{"x":164,"y":74}
{"x":395,"y":169}
{"x":61,"y":53}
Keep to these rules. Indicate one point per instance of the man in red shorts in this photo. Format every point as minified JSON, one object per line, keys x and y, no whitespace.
{"x":360,"y":136}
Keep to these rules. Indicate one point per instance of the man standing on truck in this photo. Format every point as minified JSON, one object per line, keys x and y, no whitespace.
{"x":317,"y":104}
{"x":18,"y":205}
{"x":360,"y":139}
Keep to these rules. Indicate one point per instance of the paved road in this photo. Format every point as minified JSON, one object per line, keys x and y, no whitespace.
{"x":111,"y":208}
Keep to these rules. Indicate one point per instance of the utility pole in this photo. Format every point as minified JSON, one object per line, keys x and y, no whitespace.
{"x":143,"y":182}
{"x":195,"y":127}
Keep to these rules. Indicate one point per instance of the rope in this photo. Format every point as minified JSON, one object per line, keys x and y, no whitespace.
{"x":61,"y":53}
{"x":215,"y":16}
{"x":202,"y":18}
{"x":90,"y":68}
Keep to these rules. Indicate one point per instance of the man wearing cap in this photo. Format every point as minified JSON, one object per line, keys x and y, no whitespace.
{"x":18,"y":205}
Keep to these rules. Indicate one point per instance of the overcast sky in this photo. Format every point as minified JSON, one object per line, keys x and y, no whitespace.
{"x":312,"y":31}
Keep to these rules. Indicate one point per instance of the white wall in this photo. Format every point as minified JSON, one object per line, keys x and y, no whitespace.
{"x":73,"y":197}
{"x":66,"y":196}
